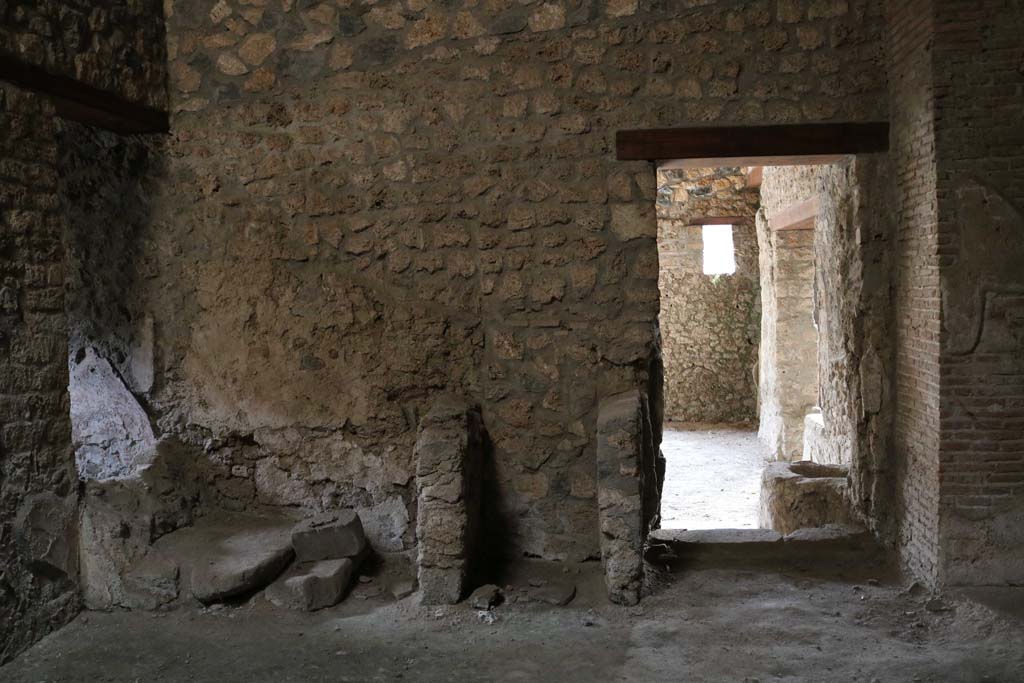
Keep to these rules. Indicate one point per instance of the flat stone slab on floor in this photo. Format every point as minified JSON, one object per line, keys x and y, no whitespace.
{"x":223,"y":556}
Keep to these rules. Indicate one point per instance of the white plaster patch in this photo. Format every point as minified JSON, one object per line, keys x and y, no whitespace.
{"x":111,"y":432}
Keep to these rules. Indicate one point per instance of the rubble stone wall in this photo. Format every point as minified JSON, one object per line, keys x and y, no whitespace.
{"x":38,"y":487}
{"x":977,"y":61}
{"x":117,"y":45}
{"x":710,"y":325}
{"x":370,"y":204}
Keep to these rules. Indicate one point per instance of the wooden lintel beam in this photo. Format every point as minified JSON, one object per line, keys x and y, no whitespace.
{"x":76,"y":101}
{"x":799,"y":216}
{"x":718,"y":220}
{"x":741,"y":162}
{"x":750,"y":145}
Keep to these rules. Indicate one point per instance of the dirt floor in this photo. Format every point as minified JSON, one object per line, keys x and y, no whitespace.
{"x":712,"y":477}
{"x":699,"y":625}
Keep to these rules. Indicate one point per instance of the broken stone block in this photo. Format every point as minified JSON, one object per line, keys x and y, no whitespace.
{"x":242,"y":562}
{"x":329,"y":536}
{"x":45,"y":525}
{"x":622,"y":432}
{"x":121,"y":518}
{"x":448,"y":457}
{"x":486,"y":597}
{"x":803,"y":494}
{"x":403,"y":589}
{"x":313,"y":586}
{"x":152,"y":582}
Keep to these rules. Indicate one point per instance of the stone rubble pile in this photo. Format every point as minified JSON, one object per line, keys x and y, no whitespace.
{"x":328,"y":548}
{"x":308,"y":565}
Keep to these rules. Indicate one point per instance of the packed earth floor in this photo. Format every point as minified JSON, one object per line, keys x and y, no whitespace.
{"x":712,"y":476}
{"x":699,"y":625}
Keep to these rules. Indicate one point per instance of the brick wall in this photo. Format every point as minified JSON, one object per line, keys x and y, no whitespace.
{"x":366,"y":206}
{"x":916,"y":291}
{"x":979,"y":94}
{"x":38,"y":492}
{"x":710,"y":325}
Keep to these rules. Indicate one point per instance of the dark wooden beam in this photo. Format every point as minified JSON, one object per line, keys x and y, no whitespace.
{"x":741,"y":162}
{"x":76,"y":101}
{"x":719,"y":220}
{"x":749,"y":145}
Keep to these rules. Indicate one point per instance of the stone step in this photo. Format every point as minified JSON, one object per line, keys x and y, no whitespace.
{"x":830,"y":545}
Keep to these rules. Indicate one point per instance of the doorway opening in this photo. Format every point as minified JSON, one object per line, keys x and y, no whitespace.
{"x":739,"y":336}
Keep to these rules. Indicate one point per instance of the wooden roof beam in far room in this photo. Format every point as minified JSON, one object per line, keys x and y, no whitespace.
{"x":810,"y":143}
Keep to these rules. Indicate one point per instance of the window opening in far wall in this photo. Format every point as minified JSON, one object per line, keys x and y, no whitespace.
{"x":719,"y":253}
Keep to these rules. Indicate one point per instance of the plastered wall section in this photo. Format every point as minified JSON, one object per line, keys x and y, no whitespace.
{"x":710,"y":325}
{"x":38,"y":492}
{"x":788,"y":370}
{"x":853,"y":307}
{"x":979,"y":98}
{"x":369,"y":204}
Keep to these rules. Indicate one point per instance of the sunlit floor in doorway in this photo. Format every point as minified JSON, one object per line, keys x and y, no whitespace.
{"x":712,"y":477}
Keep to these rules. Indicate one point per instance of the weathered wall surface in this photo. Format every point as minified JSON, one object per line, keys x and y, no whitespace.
{"x":710,"y":325}
{"x":980,"y":177}
{"x":106,"y":181}
{"x":852,"y":245}
{"x":117,"y":45}
{"x":788,"y":372}
{"x":916,"y":286}
{"x":375,"y":203}
{"x":38,"y":495}
{"x":853,"y":252}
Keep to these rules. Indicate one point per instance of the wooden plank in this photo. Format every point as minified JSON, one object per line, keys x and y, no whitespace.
{"x":718,"y":220}
{"x":76,"y":101}
{"x":752,"y":142}
{"x":799,"y":216}
{"x":740,"y":162}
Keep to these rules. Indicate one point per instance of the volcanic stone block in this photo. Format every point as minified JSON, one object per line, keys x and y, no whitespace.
{"x":313,"y":586}
{"x":621,"y":475}
{"x":448,"y":455}
{"x":329,"y":536}
{"x":803,"y":495}
{"x":244,"y":561}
